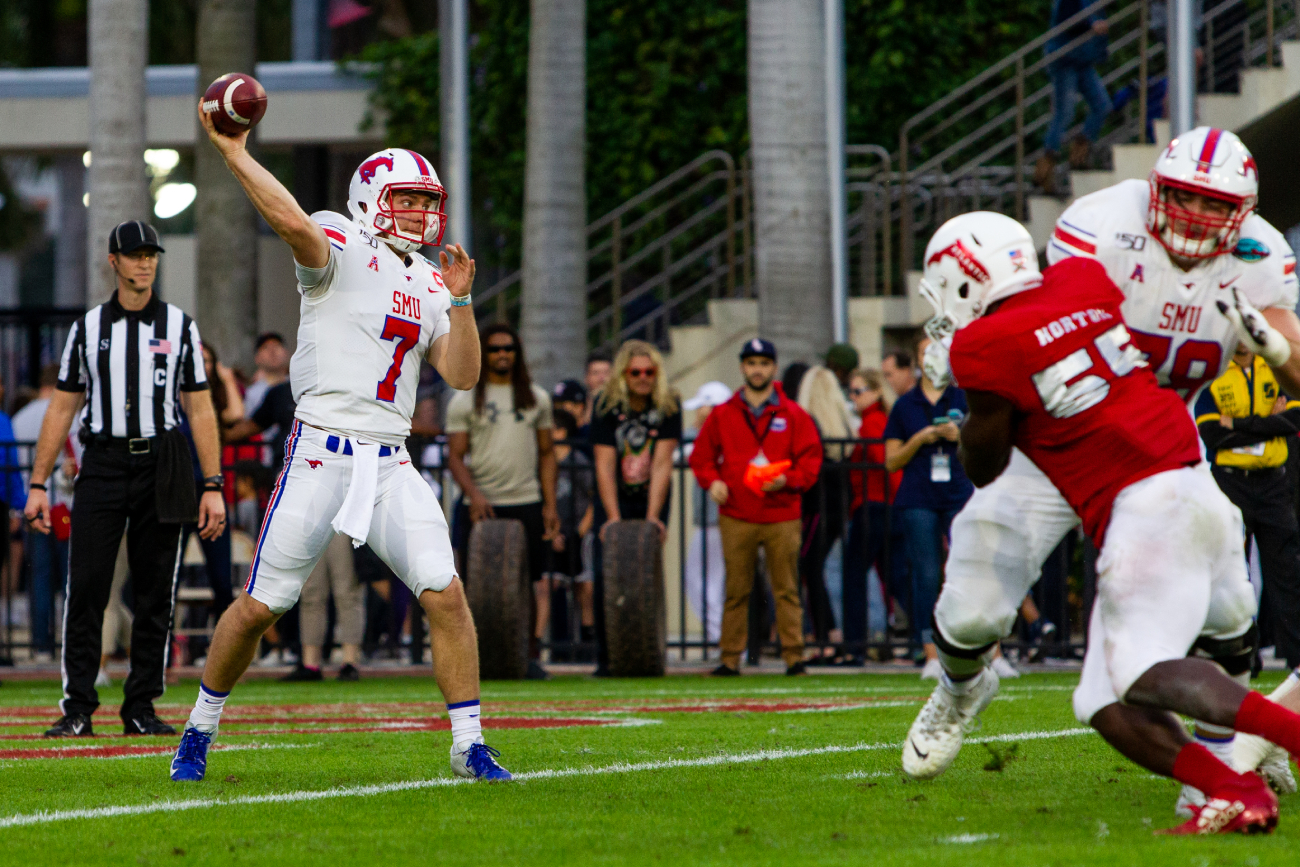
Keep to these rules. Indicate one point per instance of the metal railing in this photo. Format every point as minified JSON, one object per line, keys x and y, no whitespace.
{"x":656,"y":259}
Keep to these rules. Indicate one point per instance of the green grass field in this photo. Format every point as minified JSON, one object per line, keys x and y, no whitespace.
{"x":683,"y":770}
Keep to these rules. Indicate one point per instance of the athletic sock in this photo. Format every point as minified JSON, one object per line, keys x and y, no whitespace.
{"x":958,"y":687}
{"x":1217,"y":739}
{"x":207,"y":709}
{"x":465,"y":727}
{"x":1196,"y":766}
{"x":1259,"y":716}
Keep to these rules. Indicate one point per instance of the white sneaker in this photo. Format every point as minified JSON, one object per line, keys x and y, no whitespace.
{"x":1189,"y":798}
{"x":933,"y":668}
{"x":937,"y":734}
{"x":1253,"y":753}
{"x":102,"y":680}
{"x":1003,"y":667}
{"x":271,"y":660}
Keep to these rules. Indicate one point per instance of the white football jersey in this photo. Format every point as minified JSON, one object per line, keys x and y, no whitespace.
{"x":1171,"y":312}
{"x":366,"y":320}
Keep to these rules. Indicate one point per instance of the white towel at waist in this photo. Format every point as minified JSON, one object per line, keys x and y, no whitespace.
{"x":353,"y":518}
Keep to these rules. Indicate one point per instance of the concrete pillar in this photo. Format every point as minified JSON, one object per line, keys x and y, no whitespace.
{"x":70,"y":245}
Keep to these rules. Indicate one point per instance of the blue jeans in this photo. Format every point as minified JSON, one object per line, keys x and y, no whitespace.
{"x":49,"y":573}
{"x":1069,"y":80}
{"x":924,"y":533}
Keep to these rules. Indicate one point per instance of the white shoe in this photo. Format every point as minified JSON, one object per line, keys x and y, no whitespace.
{"x":933,"y":668}
{"x":1004,"y":668}
{"x":937,"y":734}
{"x":271,"y":660}
{"x":102,"y":680}
{"x":1253,"y":753}
{"x":1190,"y":797}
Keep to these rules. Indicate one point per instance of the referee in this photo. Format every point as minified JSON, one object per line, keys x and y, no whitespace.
{"x":129,"y":366}
{"x":1246,"y":422}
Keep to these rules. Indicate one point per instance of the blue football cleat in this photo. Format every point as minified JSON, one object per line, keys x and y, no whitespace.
{"x":191,"y":759}
{"x":479,"y":763}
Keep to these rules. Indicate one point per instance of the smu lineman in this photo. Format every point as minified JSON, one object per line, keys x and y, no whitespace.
{"x":1199,"y":271}
{"x":372,"y":308}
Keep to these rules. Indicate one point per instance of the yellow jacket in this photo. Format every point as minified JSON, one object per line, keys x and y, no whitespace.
{"x":1258,"y":438}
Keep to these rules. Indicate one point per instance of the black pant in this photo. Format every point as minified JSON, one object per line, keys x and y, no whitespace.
{"x":1264,"y":498}
{"x":867,"y":543}
{"x":530,"y":515}
{"x":824,"y":506}
{"x":112,"y":487}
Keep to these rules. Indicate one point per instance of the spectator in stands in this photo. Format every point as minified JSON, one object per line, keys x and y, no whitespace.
{"x":599,"y":364}
{"x":897,"y":371}
{"x":335,"y":575}
{"x":825,"y":503}
{"x":636,"y":426}
{"x":47,"y":555}
{"x":504,"y":427}
{"x":571,"y":396}
{"x":13,"y":499}
{"x":842,"y":360}
{"x":705,"y":585}
{"x":756,"y":454}
{"x":271,"y":357}
{"x":873,"y":539}
{"x":921,"y":439}
{"x":575,"y":489}
{"x":1247,"y":422}
{"x":1074,"y":73}
{"x":273,"y":417}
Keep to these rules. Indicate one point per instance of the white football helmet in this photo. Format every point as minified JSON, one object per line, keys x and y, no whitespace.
{"x":370,"y":198}
{"x":1213,"y":163}
{"x":972,"y":261}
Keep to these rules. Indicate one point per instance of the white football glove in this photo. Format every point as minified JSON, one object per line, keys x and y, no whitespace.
{"x":934,"y":364}
{"x":1254,"y":331}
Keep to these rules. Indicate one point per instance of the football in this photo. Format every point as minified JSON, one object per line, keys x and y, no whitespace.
{"x":235,"y":102}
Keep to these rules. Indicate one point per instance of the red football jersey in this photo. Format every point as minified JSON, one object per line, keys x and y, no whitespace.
{"x":1092,"y":416}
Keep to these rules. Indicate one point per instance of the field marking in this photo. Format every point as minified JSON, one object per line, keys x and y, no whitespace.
{"x":129,"y":752}
{"x":968,"y":838}
{"x":45,"y":817}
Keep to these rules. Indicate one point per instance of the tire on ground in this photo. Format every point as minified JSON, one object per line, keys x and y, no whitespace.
{"x":636,"y":626}
{"x":500,"y":597}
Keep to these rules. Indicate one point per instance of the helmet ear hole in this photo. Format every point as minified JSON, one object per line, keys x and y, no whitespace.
{"x":364,"y":209}
{"x":963,"y":291}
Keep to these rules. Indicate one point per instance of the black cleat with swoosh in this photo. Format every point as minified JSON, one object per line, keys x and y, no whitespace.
{"x":73,"y":725}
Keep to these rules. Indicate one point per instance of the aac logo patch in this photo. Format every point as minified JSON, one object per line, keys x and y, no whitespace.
{"x":1250,"y":250}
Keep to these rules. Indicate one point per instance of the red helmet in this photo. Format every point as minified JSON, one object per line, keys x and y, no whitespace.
{"x":1209,"y":162}
{"x":383,"y":175}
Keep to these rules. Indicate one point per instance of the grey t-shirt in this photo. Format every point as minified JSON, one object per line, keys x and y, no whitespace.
{"x":502,"y":442}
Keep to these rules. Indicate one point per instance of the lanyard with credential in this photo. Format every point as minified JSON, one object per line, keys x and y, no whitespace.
{"x":749,"y":420}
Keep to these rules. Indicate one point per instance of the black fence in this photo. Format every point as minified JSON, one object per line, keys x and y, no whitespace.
{"x":833,"y":554}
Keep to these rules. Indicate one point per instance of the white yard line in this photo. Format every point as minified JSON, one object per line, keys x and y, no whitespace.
{"x":45,"y":817}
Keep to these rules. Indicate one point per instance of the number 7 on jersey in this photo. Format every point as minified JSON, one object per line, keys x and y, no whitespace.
{"x":407,"y":334}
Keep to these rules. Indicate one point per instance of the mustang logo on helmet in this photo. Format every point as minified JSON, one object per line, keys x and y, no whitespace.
{"x":965,"y":260}
{"x":370,"y":166}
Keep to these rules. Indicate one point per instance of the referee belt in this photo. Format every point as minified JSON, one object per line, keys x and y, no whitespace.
{"x":1262,"y":472}
{"x":130,"y":445}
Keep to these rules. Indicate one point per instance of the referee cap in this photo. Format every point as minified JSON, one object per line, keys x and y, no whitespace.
{"x":132,"y":235}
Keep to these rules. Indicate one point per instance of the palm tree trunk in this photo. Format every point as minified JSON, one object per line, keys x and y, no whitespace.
{"x":225,"y":221}
{"x":554,"y":317}
{"x":119,"y":49}
{"x":787,"y":122}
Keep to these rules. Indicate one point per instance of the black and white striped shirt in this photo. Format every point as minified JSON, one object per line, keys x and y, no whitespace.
{"x":132,"y":366}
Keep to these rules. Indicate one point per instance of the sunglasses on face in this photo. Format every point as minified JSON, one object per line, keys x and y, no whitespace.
{"x":855,"y":392}
{"x":508,"y":347}
{"x":642,"y":372}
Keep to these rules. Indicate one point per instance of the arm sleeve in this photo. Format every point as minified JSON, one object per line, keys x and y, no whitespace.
{"x":266,"y":413}
{"x":314,"y":283}
{"x":72,"y":366}
{"x":1285,"y":423}
{"x":672,"y":427}
{"x":193,"y":375}
{"x":704,"y":457}
{"x":458,"y":412}
{"x":806,"y":463}
{"x":602,"y":429}
{"x":1075,"y":234}
{"x":545,"y":414}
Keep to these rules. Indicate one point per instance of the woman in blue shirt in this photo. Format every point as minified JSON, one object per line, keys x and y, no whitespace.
{"x":921,"y":440}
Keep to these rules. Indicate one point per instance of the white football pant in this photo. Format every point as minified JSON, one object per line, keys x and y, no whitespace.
{"x":407,"y":528}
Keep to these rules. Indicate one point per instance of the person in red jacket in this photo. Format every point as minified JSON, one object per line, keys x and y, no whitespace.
{"x":755,"y":455}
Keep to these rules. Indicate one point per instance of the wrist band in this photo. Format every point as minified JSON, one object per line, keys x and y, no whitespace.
{"x":460,"y":300}
{"x":213,"y":489}
{"x":36,"y":486}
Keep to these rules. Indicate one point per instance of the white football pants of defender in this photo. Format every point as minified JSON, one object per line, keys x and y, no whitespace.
{"x":1000,"y":539}
{"x":407,"y":528}
{"x":1171,"y":569}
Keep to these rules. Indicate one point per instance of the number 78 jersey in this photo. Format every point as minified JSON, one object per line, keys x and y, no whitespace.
{"x":1170,"y":312}
{"x":366,"y":320}
{"x":1089,"y":412}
